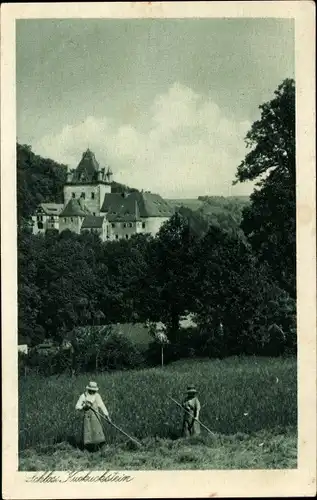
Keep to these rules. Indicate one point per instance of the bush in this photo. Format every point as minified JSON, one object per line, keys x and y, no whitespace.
{"x":119,"y":353}
{"x":52,"y":361}
{"x":101,"y":349}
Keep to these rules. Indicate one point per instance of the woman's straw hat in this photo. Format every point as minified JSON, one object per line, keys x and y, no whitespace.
{"x":92,"y":386}
{"x":191,"y":389}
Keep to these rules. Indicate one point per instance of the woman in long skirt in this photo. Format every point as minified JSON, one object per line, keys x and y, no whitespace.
{"x":91,"y":404}
{"x":191,"y":405}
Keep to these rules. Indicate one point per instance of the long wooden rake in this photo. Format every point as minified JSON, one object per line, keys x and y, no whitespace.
{"x":134,"y":440}
{"x":184,"y":409}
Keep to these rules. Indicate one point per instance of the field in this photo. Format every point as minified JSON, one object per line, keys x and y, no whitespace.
{"x":249,"y":403}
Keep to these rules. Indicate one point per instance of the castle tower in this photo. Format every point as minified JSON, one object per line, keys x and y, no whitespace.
{"x":109,"y":175}
{"x":88,"y":182}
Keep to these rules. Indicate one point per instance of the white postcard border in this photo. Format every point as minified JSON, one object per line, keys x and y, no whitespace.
{"x":172,"y":484}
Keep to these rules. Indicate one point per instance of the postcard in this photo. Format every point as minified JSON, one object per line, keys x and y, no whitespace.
{"x":158,"y":249}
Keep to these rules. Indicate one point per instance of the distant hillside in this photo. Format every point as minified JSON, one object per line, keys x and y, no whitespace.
{"x":225,"y":212}
{"x":191,"y":203}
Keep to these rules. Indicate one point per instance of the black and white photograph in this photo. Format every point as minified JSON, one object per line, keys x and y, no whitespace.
{"x":160,"y":212}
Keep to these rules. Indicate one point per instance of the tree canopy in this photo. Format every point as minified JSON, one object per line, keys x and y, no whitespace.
{"x":229,"y":263}
{"x":269,"y":221}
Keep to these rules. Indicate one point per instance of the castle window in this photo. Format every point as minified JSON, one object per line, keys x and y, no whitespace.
{"x":94,"y":213}
{"x":127,"y":236}
{"x":73,"y":195}
{"x":117,"y":236}
{"x":143,"y":225}
{"x":40,"y":225}
{"x":71,"y":219}
{"x":65,"y":219}
{"x":124,"y":224}
{"x":83,"y":195}
{"x":130,"y":224}
{"x":92,"y":196}
{"x":113,"y":225}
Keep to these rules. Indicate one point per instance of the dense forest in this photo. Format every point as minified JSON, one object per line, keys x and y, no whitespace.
{"x":228,"y":261}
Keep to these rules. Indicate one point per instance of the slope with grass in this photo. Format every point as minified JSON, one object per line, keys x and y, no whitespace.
{"x":249,"y":404}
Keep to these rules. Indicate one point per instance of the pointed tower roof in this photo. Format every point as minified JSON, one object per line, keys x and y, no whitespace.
{"x":75,"y":208}
{"x":87,"y":168}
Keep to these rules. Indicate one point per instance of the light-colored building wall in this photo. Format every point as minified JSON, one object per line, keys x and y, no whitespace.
{"x":101,"y":231}
{"x":23,"y":348}
{"x":43,"y":222}
{"x":39,"y":224}
{"x":153,"y":224}
{"x":121,"y":230}
{"x":52,"y":222}
{"x":72,"y":223}
{"x":94,"y":195}
{"x":148,"y":225}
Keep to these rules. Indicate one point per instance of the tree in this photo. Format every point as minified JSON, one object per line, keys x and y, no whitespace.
{"x":270,"y":221}
{"x":67,"y":280}
{"x":30,"y":249}
{"x":172,"y":272}
{"x":224,"y":261}
{"x":121,"y":284}
{"x":237,"y":301}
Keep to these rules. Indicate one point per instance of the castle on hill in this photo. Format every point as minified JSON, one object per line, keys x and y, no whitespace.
{"x":90,"y":205}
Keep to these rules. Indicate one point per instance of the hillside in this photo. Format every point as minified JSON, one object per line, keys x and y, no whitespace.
{"x":224,"y":212}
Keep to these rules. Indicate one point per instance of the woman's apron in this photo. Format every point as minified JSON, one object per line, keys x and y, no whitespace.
{"x":92,"y":428}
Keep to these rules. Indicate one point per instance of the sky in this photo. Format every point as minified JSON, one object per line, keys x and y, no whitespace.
{"x":165,"y":103}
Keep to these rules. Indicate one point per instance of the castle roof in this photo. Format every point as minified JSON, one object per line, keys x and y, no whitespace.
{"x":87,"y":168}
{"x":120,"y":207}
{"x":153,"y":205}
{"x":92,"y":222}
{"x":51,"y":208}
{"x":132,"y":206}
{"x":75,"y":207}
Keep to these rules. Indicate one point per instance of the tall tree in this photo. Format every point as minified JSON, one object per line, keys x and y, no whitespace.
{"x":30,"y":250}
{"x":173,"y":271}
{"x":270,"y":220}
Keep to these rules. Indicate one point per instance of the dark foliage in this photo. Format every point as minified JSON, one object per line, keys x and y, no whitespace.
{"x":239,"y":285}
{"x":270,"y":221}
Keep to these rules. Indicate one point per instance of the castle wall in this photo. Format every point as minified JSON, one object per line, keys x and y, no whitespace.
{"x":43,"y":222}
{"x":72,"y":223}
{"x":119,"y":230}
{"x":153,"y":224}
{"x":101,"y":231}
{"x":94,"y":195}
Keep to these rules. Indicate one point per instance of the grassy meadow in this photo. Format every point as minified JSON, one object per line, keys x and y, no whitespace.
{"x":250,"y":404}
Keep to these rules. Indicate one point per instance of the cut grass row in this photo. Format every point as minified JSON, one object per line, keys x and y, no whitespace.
{"x":263,"y":450}
{"x":238,"y":395}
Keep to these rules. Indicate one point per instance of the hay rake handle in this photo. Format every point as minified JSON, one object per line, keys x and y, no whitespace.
{"x":184,"y":409}
{"x":118,"y":428}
